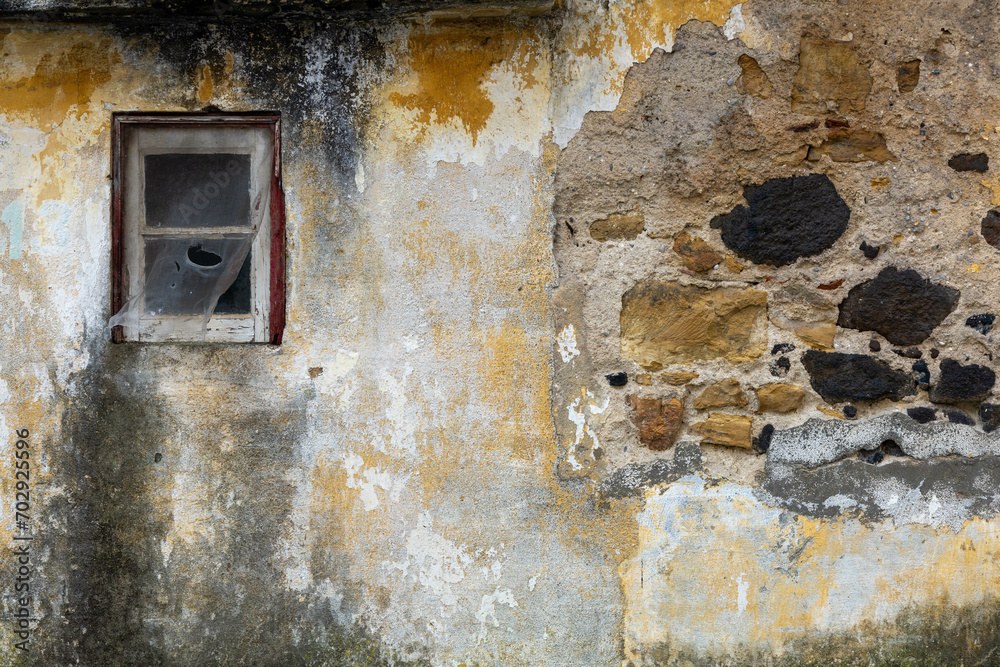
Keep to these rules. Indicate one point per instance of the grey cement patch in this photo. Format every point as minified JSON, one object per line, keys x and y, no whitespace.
{"x":823,"y":441}
{"x":942,"y":474}
{"x":630,"y":480}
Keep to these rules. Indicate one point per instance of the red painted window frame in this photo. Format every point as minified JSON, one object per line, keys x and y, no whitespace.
{"x":266,"y":120}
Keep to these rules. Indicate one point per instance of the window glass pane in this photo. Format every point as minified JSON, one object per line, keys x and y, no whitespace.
{"x":183,"y":274}
{"x":197,"y":190}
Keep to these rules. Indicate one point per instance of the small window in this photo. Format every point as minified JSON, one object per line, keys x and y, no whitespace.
{"x":197,"y":229}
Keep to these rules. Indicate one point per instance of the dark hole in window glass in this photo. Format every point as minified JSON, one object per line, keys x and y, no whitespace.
{"x":197,"y":190}
{"x":181,"y":274}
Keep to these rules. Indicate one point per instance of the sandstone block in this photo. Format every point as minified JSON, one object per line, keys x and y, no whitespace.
{"x":753,"y":80}
{"x":618,"y":226}
{"x":908,"y":76}
{"x":695,"y":253}
{"x":678,"y":379}
{"x":847,"y":145}
{"x":830,"y":78}
{"x":668,"y":323}
{"x":728,"y":430}
{"x":721,"y":394}
{"x":780,"y":397}
{"x":658,"y":420}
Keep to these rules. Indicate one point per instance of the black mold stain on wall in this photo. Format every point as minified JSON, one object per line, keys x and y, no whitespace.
{"x":111,"y":431}
{"x":931,"y":636}
{"x":331,"y":107}
{"x":123,"y":602}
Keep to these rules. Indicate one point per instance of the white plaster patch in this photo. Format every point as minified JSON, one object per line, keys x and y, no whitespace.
{"x":567,"y":344}
{"x":586,"y":426}
{"x":741,"y":593}
{"x":367,"y":479}
{"x":735,"y":24}
{"x":434,"y":561}
{"x":404,"y":422}
{"x":488,"y":609}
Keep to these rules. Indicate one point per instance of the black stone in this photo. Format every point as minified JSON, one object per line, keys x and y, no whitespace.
{"x":762,"y":442}
{"x":870,"y":251}
{"x":923,"y":376}
{"x":839,"y":377}
{"x":781,"y":348}
{"x":617,"y":379}
{"x":874,"y":345}
{"x":922,"y":415}
{"x":959,"y":417}
{"x":901,"y":305}
{"x":970,"y":162}
{"x":910,"y":353}
{"x":780,"y":368}
{"x":981,"y":323}
{"x":785,"y":219}
{"x":934,"y":353}
{"x":989,"y":416}
{"x":872,"y":456}
{"x":990,"y":228}
{"x":960,"y":383}
{"x":850,"y":411}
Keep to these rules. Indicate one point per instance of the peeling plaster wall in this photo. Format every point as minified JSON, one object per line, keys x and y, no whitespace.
{"x":456,"y":457}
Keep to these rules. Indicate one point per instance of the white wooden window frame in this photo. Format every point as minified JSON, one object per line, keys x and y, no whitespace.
{"x":204,"y":136}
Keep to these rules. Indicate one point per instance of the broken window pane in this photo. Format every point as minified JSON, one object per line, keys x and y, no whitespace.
{"x":188,"y":190}
{"x":181,"y":274}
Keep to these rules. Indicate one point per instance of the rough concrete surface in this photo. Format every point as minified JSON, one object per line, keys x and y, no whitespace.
{"x":532,"y":407}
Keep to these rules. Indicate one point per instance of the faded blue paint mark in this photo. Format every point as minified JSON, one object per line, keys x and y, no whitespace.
{"x":13,"y":218}
{"x":56,"y":215}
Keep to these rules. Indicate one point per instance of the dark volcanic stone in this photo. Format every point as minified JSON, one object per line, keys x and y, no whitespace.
{"x":839,"y":377}
{"x":922,"y":415}
{"x":923,"y":374}
{"x":872,"y":456}
{"x":981,"y":323}
{"x":934,"y":353}
{"x":781,"y":348}
{"x":959,"y":417}
{"x":989,"y":416}
{"x":874,"y":345}
{"x":990,"y":228}
{"x":850,"y":411}
{"x":901,"y":305}
{"x":780,"y":368}
{"x":870,"y":251}
{"x":762,"y":443}
{"x":617,"y":379}
{"x":785,"y":219}
{"x":970,"y":162}
{"x":960,"y":383}
{"x":910,"y":353}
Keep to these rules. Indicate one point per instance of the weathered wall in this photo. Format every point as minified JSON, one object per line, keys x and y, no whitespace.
{"x":486,"y":219}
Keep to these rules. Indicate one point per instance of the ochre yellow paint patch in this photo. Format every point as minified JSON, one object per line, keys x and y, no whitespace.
{"x":43,"y":79}
{"x":205,"y":84}
{"x":451,"y":64}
